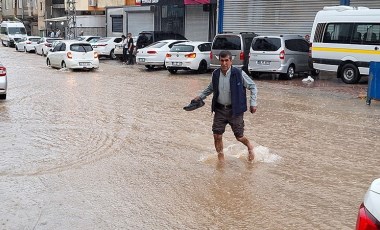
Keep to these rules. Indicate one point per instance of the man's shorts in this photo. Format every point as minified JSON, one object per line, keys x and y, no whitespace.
{"x":222,"y":117}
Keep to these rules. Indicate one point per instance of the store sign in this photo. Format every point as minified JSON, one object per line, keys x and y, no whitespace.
{"x":161,"y":2}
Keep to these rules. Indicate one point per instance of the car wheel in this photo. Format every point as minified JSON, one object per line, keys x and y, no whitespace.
{"x":112,"y":55}
{"x":315,"y":72}
{"x":173,"y":71}
{"x":16,"y":48}
{"x":255,"y":74}
{"x":3,"y":96}
{"x":290,"y":73}
{"x":63,"y":65}
{"x":150,"y":67}
{"x":202,"y":67}
{"x":48,"y":62}
{"x":350,"y":74}
{"x":2,"y":43}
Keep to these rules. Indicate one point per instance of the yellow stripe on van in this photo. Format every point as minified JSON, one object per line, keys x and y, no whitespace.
{"x":345,"y":50}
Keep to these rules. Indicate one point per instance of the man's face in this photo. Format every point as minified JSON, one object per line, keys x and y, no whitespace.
{"x":225,"y":63}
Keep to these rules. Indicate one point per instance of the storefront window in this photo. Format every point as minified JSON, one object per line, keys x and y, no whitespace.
{"x":173,"y":18}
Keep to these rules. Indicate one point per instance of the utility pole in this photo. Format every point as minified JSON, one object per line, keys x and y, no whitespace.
{"x":71,"y":31}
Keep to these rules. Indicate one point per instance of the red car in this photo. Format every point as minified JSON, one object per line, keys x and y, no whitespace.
{"x":369,"y":211}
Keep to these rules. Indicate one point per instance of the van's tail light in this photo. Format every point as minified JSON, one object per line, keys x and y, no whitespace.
{"x":366,"y":221}
{"x":151,"y":52}
{"x":69,"y":55}
{"x":210,"y":55}
{"x":3,"y":71}
{"x":282,"y":55}
{"x":96,"y":55}
{"x":242,"y":55}
{"x":191,"y":55}
{"x":168,"y":55}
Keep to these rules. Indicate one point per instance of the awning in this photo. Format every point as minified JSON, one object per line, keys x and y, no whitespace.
{"x":174,"y":2}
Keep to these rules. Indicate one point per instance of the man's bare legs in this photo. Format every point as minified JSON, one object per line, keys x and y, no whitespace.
{"x":218,"y":142}
{"x":246,"y":142}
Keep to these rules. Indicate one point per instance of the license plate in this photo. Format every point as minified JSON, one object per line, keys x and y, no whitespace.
{"x":142,"y":59}
{"x":263,"y":62}
{"x":84,"y":64}
{"x":177,"y":63}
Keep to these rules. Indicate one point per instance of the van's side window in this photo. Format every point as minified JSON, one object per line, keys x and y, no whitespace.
{"x":370,"y":33}
{"x":319,"y":32}
{"x":299,"y":45}
{"x":339,"y":32}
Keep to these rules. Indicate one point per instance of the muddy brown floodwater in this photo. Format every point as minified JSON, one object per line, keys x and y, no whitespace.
{"x":113,"y":149}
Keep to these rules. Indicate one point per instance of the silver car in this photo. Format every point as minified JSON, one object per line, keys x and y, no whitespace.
{"x":3,"y":82}
{"x":284,"y":54}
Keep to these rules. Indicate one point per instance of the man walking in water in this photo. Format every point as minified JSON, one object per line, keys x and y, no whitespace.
{"x":229,"y":102}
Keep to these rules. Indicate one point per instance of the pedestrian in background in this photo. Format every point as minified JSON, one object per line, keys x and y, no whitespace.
{"x":130,"y":48}
{"x":124,"y":43}
{"x":229,"y":102}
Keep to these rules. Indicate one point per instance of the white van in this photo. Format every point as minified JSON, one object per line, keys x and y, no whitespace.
{"x":345,"y":40}
{"x":11,"y":32}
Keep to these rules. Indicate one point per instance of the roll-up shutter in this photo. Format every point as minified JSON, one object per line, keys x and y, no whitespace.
{"x":272,"y":17}
{"x":138,"y":22}
{"x":368,"y":3}
{"x":196,"y":23}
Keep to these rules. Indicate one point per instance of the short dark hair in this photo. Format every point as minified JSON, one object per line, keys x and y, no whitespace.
{"x":224,"y":54}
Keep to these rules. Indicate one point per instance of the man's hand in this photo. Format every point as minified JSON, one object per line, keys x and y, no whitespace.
{"x":252,"y":109}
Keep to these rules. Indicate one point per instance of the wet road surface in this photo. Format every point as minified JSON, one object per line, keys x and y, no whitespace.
{"x":113,"y":149}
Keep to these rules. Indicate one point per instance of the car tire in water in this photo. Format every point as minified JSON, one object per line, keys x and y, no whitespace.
{"x":173,"y":71}
{"x":289,"y":74}
{"x":350,"y":73}
{"x":3,"y":96}
{"x":63,"y":65}
{"x":202,"y":67}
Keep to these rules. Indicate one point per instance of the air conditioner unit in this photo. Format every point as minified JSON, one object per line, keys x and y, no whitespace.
{"x":92,"y":2}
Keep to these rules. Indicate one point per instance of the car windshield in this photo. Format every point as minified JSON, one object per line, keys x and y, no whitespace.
{"x":266,"y":44}
{"x":16,"y":30}
{"x":81,"y":47}
{"x":51,"y":40}
{"x":227,"y":43}
{"x":157,"y":45}
{"x":182,"y":48}
{"x":34,"y":39}
{"x":104,"y":40}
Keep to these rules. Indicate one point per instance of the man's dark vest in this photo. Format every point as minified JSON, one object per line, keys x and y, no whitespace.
{"x":238,"y":92}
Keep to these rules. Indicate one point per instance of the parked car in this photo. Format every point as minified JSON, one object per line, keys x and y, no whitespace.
{"x":27,"y":44}
{"x":154,"y":54}
{"x":237,"y":43}
{"x":284,"y":54}
{"x":106,"y":46}
{"x":369,"y":210}
{"x":146,"y":38}
{"x":91,"y":39}
{"x":189,"y":56}
{"x":73,"y":54}
{"x":119,"y":49}
{"x":44,"y":44}
{"x":3,"y":82}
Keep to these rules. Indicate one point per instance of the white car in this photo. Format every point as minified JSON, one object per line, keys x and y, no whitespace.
{"x":369,"y":211}
{"x":106,"y":46}
{"x":73,"y":54}
{"x":44,"y":44}
{"x":27,"y":44}
{"x":154,"y":54}
{"x":3,"y":82}
{"x":189,"y":56}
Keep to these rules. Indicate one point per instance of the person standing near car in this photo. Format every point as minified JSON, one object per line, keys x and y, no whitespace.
{"x":124,"y":43}
{"x":229,"y":102}
{"x":130,"y":48}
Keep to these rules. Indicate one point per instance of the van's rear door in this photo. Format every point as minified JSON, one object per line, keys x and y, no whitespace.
{"x":265,"y":54}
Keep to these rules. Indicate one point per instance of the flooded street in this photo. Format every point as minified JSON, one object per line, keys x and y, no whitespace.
{"x":113,"y":149}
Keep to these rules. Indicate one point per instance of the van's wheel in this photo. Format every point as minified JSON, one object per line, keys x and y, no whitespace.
{"x":173,"y":71}
{"x":202,"y":67}
{"x":290,"y":73}
{"x":48,"y":62}
{"x":63,"y":65}
{"x":350,"y":74}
